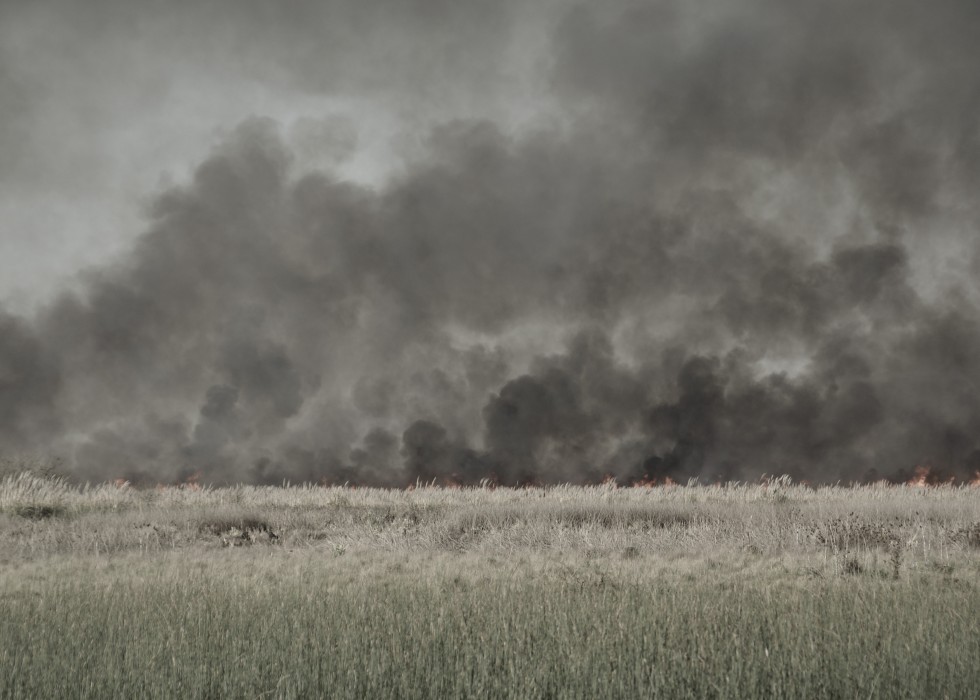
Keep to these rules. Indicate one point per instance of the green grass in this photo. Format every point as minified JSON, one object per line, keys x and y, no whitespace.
{"x":742,"y":591}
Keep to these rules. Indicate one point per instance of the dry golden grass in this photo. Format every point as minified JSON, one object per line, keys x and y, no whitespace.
{"x":922,"y":527}
{"x":774,"y":590}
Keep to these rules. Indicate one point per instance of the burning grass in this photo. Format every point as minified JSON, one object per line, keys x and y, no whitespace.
{"x":771,"y":590}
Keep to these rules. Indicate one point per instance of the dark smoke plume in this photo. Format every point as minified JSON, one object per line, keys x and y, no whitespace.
{"x":746,"y":244}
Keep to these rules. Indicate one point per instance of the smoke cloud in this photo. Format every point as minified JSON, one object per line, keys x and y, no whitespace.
{"x":739,"y":239}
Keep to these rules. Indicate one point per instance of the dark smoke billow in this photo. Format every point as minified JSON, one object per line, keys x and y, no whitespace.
{"x":747,"y":245}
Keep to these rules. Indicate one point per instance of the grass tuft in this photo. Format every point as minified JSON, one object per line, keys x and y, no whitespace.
{"x":39,"y":511}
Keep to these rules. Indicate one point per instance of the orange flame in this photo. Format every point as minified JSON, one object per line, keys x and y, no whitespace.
{"x":653,"y":483}
{"x":920,"y":477}
{"x":192,"y":483}
{"x":452,"y":482}
{"x":927,"y":476}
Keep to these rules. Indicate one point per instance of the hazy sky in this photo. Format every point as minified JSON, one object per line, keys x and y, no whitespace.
{"x":382,"y":240}
{"x":105,"y":102}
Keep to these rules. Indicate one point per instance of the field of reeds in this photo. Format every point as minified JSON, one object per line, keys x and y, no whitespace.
{"x":762,"y":590}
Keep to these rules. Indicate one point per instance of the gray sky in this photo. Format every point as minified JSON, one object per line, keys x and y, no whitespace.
{"x":104,"y":102}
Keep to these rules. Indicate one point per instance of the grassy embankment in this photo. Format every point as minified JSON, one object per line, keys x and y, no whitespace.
{"x":740,"y":591}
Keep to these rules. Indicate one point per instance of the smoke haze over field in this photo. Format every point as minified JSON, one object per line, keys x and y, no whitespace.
{"x":534,"y":242}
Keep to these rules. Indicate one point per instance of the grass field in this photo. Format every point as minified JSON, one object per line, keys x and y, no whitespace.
{"x":768,"y":590}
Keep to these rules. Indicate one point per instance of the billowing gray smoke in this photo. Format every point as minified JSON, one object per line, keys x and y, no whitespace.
{"x":746,"y":244}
